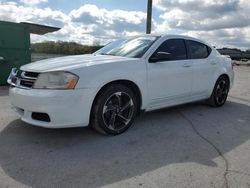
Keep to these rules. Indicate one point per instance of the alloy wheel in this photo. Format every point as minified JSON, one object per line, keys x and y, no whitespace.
{"x":221,"y":92}
{"x":118,"y":111}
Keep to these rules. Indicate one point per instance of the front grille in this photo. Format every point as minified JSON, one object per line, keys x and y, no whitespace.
{"x":24,"y":79}
{"x":31,"y":74}
{"x":27,"y":83}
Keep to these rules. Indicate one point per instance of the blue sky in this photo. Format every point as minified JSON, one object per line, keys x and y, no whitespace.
{"x":221,"y":23}
{"x":64,"y":5}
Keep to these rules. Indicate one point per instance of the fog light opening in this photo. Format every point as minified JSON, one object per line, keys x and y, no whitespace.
{"x":40,"y":116}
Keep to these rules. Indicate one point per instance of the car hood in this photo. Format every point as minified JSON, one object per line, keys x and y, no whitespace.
{"x":68,"y":63}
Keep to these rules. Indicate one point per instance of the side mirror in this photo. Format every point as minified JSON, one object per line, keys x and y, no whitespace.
{"x":160,"y":56}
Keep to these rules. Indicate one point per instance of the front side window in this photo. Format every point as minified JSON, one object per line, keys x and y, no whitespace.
{"x":175,"y":48}
{"x":134,"y":47}
{"x":198,"y":50}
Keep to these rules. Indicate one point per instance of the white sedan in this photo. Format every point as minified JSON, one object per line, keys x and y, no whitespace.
{"x":108,"y":88}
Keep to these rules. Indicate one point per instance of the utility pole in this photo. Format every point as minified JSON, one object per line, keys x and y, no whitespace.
{"x":149,"y":17}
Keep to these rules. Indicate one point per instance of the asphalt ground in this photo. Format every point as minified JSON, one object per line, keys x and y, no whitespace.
{"x":192,"y":145}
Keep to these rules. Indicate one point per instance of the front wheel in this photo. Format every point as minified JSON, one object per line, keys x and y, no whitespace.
{"x":220,"y":92}
{"x":114,"y":110}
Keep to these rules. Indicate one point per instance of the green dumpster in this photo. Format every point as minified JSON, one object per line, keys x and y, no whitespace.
{"x":15,"y":45}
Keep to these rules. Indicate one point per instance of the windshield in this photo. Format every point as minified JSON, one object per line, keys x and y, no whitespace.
{"x":134,"y":47}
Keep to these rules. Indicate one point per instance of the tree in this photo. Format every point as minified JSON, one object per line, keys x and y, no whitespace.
{"x":60,"y":47}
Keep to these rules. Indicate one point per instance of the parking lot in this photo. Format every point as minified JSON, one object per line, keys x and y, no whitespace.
{"x":192,"y":145}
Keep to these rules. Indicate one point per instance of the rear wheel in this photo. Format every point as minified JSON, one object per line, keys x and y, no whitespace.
{"x":114,"y":110}
{"x":220,"y":92}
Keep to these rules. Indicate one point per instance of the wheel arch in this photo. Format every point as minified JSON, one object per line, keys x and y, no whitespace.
{"x":128,"y":83}
{"x":211,"y":100}
{"x":224,"y":75}
{"x":216,"y":77}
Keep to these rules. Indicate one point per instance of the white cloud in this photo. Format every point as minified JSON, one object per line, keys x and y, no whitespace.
{"x":7,"y":3}
{"x":9,"y":12}
{"x":89,"y":12}
{"x":204,"y":15}
{"x":223,"y":23}
{"x":104,"y":24}
{"x":88,"y":24}
{"x":234,"y":37}
{"x":32,"y":2}
{"x":116,"y":21}
{"x":207,"y":19}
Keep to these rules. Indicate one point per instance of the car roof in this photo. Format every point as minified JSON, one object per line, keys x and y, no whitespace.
{"x":183,"y":37}
{"x":166,"y":36}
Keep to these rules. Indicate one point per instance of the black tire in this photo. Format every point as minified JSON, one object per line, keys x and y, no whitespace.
{"x":220,"y":92}
{"x":114,"y":110}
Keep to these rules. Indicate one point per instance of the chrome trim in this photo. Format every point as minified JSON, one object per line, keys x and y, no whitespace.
{"x":19,"y":86}
{"x":29,"y":80}
{"x":14,"y":75}
{"x":27,"y":77}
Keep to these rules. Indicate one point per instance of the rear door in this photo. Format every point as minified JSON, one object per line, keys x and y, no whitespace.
{"x":204,"y":67}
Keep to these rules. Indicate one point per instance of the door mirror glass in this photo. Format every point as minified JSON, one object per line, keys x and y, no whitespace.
{"x":160,"y":56}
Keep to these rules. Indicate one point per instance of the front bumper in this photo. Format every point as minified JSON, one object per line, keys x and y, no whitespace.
{"x":65,"y":108}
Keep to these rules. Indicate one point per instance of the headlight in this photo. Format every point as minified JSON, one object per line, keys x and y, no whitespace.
{"x":56,"y":80}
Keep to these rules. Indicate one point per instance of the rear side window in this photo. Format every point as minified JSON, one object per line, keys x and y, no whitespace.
{"x":198,"y":50}
{"x":176,"y":48}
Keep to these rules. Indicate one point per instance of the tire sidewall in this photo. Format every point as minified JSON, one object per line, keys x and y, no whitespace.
{"x":214,"y":91}
{"x":103,"y":97}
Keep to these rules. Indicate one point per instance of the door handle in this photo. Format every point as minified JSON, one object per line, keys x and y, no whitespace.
{"x":213,"y":63}
{"x":186,"y":65}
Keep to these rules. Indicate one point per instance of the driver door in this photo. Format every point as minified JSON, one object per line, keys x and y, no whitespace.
{"x":170,"y":79}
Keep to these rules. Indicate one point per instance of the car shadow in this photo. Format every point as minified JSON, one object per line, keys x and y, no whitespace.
{"x":80,"y":157}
